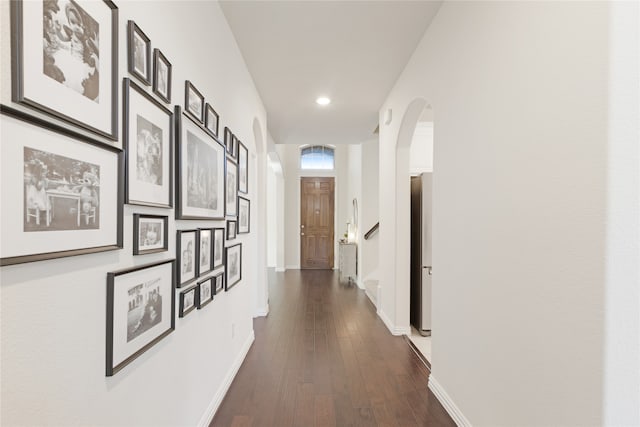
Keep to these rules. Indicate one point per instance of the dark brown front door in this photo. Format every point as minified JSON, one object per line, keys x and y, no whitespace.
{"x":316,"y":223}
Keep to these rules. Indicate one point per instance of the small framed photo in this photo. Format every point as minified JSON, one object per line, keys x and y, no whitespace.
{"x":150,"y":234}
{"x":148,"y":141}
{"x":211,"y":120}
{"x":234,"y":147}
{"x":231,"y":195}
{"x":219,"y":283}
{"x":188,"y":300}
{"x":234,"y":265}
{"x":193,"y":102}
{"x":140,"y":311}
{"x":232,"y":226}
{"x":228,"y":139}
{"x":218,"y":247}
{"x":244,"y":215}
{"x":161,"y":76}
{"x":205,"y":250}
{"x":205,"y":292}
{"x":187,"y":251}
{"x":243,"y":169}
{"x":139,"y":53}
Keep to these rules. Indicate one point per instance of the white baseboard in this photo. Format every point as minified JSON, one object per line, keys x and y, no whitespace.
{"x":448,"y":403}
{"x":262,"y":311}
{"x":222,"y":391}
{"x":292,"y":267}
{"x":395,"y":330}
{"x":280,"y":269}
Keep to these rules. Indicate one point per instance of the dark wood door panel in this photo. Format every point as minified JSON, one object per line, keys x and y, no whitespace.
{"x":316,"y":222}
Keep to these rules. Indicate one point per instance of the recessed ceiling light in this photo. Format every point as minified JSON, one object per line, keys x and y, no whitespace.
{"x":323,"y":100}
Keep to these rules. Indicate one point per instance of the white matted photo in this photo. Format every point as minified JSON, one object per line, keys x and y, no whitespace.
{"x":205,"y":241}
{"x":150,"y":234}
{"x":233,"y":265}
{"x":218,"y":247}
{"x":193,"y":102}
{"x":139,"y":53}
{"x":211,"y":119}
{"x":243,"y":169}
{"x":244,"y":215}
{"x":187,"y":256}
{"x":231,"y":193}
{"x":205,"y":292}
{"x":188,"y":300}
{"x":140,"y":311}
{"x":161,"y":76}
{"x":219,"y":283}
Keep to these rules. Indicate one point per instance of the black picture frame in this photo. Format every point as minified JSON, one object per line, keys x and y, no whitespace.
{"x":161,"y":62}
{"x":244,"y":203}
{"x":189,"y":199}
{"x":231,"y":188}
{"x":202,"y":300}
{"x":158,"y":312}
{"x":218,"y":283}
{"x":243,"y":169}
{"x":228,"y":139}
{"x":192,"y":98}
{"x":218,"y":247}
{"x":232,"y":229}
{"x":234,"y":147}
{"x":139,"y":191}
{"x":33,"y":86}
{"x":233,"y":263}
{"x":134,"y":33}
{"x":187,"y":258}
{"x":208,"y":250}
{"x":188,"y":300}
{"x":211,"y":120}
{"x":139,"y":229}
{"x":44,"y":134}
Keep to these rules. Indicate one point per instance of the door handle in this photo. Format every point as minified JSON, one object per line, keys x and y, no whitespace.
{"x":302,"y":234}
{"x":429,"y":269}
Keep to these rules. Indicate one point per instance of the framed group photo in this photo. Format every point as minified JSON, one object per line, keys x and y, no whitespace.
{"x":187,"y":256}
{"x":148,"y":140}
{"x":200,"y":168}
{"x":66,"y":191}
{"x":71,"y":75}
{"x":234,"y":265}
{"x":161,"y":76}
{"x":150,"y":234}
{"x":244,"y":215}
{"x":193,"y":102}
{"x":139,"y":53}
{"x":140,"y":311}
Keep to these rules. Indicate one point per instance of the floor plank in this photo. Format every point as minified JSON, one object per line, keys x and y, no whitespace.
{"x":323,"y":358}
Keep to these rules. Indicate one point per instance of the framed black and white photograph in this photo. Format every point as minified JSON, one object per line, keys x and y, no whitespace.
{"x":161,"y":76}
{"x":200,"y":170}
{"x":188,"y":300}
{"x":234,"y":265}
{"x":211,"y":120}
{"x":148,"y":141}
{"x":193,"y":102}
{"x":150,"y":234}
{"x":139,"y":53}
{"x":231,"y":194}
{"x":219,"y":283}
{"x":205,"y":250}
{"x":65,"y":61}
{"x":140,"y":311}
{"x":205,"y":292}
{"x":234,"y":148}
{"x":187,"y":251}
{"x":218,"y":247}
{"x":244,"y":215}
{"x":228,"y":139}
{"x":232,"y":229}
{"x":243,"y":169}
{"x":66,"y":191}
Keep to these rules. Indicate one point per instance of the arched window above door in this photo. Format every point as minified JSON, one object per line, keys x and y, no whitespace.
{"x":317,"y":157}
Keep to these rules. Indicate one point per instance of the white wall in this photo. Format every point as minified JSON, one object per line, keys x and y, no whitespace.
{"x":53,"y":312}
{"x":421,"y":150}
{"x":272,"y":219}
{"x":369,"y":209}
{"x":520,"y":93}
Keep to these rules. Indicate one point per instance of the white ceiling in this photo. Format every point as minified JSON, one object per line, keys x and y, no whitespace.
{"x":350,"y":51}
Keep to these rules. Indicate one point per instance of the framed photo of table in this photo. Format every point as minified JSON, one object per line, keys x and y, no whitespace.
{"x":65,"y":61}
{"x":66,"y":191}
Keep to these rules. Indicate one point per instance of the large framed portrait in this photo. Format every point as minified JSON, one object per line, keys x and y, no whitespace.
{"x":140,"y":311}
{"x":187,"y":251}
{"x":161,"y":76}
{"x":219,"y":283}
{"x":148,"y":141}
{"x":205,"y":292}
{"x":231,"y":194}
{"x":200,"y":170}
{"x":193,"y":102}
{"x":234,"y":265}
{"x":232,"y":229}
{"x":205,"y":250}
{"x":243,"y":169}
{"x":244,"y":215}
{"x":139,"y":53}
{"x":61,"y":192}
{"x":218,"y":247}
{"x":188,"y":300}
{"x":211,"y":120}
{"x":65,"y":61}
{"x":150,"y":234}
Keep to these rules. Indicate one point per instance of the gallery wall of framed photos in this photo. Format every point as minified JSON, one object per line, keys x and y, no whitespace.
{"x":95,"y":192}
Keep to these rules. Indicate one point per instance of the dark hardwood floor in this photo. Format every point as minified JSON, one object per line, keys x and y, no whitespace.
{"x":323,"y":358}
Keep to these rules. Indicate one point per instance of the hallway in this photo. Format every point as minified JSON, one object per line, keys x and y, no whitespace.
{"x":324,"y":358}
